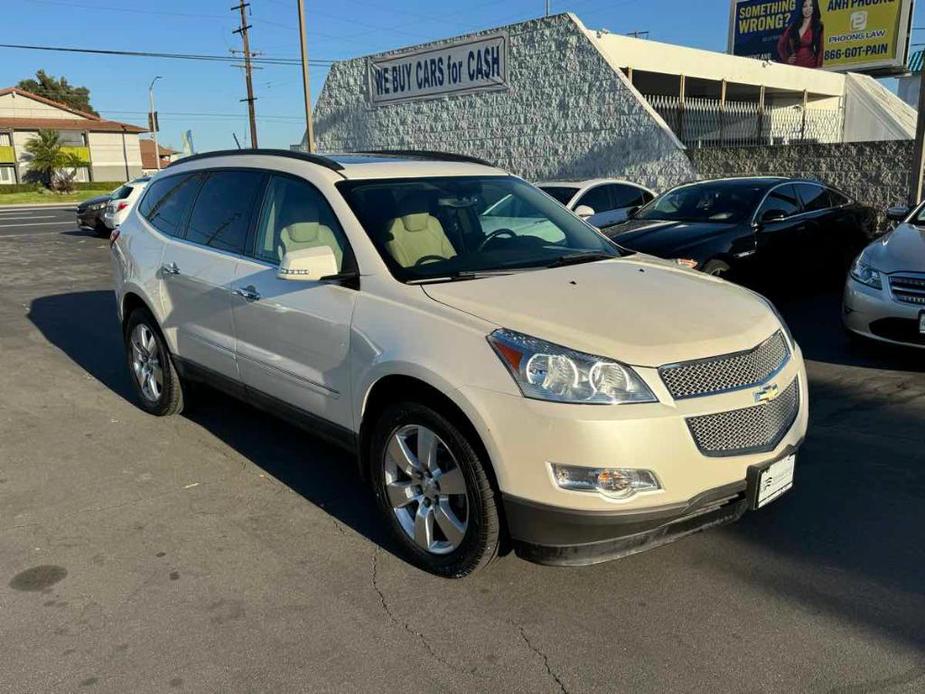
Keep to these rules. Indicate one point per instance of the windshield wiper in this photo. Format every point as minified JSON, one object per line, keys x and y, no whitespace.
{"x":462,"y":276}
{"x":579,"y":258}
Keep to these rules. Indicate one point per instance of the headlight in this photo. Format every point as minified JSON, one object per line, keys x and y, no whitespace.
{"x":865,"y":274}
{"x":617,"y":483}
{"x":545,"y":371}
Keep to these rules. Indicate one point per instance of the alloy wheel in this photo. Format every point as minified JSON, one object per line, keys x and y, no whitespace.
{"x":426,"y":489}
{"x":146,"y":363}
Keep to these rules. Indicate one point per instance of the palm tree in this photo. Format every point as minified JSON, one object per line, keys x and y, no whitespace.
{"x":50,"y":162}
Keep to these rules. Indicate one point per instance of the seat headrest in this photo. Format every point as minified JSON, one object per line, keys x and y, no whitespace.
{"x":414,"y":212}
{"x":300,"y":219}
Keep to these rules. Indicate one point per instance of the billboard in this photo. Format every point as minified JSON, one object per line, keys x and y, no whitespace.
{"x":869,"y":36}
{"x":460,"y":67}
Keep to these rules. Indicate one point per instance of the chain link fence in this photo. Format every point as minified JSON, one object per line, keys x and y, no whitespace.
{"x":700,"y":122}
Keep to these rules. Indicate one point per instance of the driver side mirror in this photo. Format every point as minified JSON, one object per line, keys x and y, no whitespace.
{"x":631,"y":212}
{"x":584,"y":211}
{"x":308,"y":264}
{"x":897,"y":213}
{"x":772,"y":215}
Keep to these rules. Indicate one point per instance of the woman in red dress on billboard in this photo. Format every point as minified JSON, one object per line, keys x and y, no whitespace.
{"x":801,"y":43}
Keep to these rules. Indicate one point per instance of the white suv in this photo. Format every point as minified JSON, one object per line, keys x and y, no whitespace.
{"x":534,"y":387}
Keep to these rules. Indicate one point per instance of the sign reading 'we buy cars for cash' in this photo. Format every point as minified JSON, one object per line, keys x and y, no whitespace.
{"x":463,"y":67}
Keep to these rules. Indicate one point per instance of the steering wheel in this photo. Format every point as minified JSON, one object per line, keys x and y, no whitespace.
{"x":428,"y":259}
{"x":497,"y":233}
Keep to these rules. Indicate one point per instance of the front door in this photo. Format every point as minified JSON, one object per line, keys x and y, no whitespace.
{"x":293,"y":337}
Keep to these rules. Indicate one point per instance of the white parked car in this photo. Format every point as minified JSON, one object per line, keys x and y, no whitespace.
{"x":121,"y":201}
{"x":601,"y":202}
{"x":885,"y":291}
{"x":493,"y":383}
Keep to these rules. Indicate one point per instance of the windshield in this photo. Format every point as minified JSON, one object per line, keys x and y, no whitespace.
{"x":445,"y":228}
{"x":561,"y":193}
{"x":710,"y":201}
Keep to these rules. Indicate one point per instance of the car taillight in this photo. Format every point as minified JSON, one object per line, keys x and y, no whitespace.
{"x":113,"y":237}
{"x":122,"y":206}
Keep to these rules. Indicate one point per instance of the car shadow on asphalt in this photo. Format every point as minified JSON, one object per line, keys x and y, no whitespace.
{"x":83,"y":325}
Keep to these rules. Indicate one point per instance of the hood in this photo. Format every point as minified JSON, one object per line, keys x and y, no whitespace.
{"x":640,"y":310}
{"x":86,"y":203}
{"x":664,"y":237}
{"x":901,"y":250}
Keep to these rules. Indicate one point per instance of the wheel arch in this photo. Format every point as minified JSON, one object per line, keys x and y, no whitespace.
{"x":396,"y":387}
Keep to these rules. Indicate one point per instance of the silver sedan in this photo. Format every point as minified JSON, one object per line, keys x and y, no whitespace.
{"x":885,"y":290}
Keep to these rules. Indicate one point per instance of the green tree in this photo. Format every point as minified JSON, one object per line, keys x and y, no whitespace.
{"x":55,"y":167}
{"x":59,"y":90}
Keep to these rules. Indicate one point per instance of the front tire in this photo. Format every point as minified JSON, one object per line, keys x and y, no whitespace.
{"x":431,"y":486}
{"x":717,"y":268}
{"x":155,"y":380}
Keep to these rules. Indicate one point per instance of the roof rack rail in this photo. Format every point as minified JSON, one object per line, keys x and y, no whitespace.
{"x":304,"y":156}
{"x":426,"y":154}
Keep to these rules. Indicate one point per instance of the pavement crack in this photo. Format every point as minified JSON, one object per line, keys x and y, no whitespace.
{"x":549,"y":670}
{"x":384,"y":604}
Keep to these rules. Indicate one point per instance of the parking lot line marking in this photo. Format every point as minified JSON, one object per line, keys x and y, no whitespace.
{"x":35,"y":224}
{"x":41,"y":216}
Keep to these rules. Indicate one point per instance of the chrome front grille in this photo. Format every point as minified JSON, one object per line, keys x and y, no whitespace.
{"x":692,"y":379}
{"x":756,"y":429}
{"x":908,"y":290}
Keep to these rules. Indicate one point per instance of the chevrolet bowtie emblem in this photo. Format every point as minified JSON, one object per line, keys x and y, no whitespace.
{"x":768,"y":393}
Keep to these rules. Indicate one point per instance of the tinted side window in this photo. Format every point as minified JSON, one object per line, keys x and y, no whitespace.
{"x":627,"y":196}
{"x":167,"y":202}
{"x":122,"y":193}
{"x":814,"y":197}
{"x":839,"y":199}
{"x":295,"y":216}
{"x":783,"y":200}
{"x":223,"y":209}
{"x":598,"y":199}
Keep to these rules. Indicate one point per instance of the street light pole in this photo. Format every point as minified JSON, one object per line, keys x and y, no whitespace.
{"x":918,"y":157}
{"x":306,"y":84}
{"x":154,"y":124}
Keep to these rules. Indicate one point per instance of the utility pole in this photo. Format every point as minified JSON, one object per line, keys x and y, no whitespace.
{"x":918,"y":159}
{"x":247,"y":70}
{"x":155,"y":126}
{"x":306,"y":84}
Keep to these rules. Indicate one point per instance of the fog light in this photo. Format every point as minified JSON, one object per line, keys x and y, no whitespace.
{"x":618,"y":483}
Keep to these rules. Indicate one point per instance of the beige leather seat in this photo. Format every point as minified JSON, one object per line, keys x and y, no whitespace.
{"x":303,"y":230}
{"x":416,"y":234}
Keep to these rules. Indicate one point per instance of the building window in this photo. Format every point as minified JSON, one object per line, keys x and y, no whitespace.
{"x":72,"y":138}
{"x":5,"y":140}
{"x":7,"y":175}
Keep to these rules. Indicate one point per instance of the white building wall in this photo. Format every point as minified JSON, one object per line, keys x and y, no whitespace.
{"x":568,"y":114}
{"x":18,"y":106}
{"x":109,"y":160}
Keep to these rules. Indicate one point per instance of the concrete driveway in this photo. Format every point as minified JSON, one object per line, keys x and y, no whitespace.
{"x":224,"y":551}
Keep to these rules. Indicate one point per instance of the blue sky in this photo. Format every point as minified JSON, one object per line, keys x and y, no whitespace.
{"x":205,"y":97}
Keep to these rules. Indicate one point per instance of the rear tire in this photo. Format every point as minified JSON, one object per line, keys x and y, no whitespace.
{"x":155,"y":380}
{"x":431,"y":486}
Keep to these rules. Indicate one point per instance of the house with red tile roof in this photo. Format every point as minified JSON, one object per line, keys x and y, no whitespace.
{"x":111,"y":147}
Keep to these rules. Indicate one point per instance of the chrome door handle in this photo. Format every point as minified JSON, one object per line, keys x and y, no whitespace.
{"x":248,"y":293}
{"x":170,"y":269}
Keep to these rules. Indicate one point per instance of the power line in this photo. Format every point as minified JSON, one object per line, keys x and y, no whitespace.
{"x":265,"y":60}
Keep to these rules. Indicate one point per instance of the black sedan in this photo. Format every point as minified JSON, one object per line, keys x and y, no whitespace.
{"x":90,"y":214}
{"x":751,"y":229}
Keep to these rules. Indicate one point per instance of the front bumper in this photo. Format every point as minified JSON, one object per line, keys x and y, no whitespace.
{"x":874,"y":314}
{"x":89,"y":220}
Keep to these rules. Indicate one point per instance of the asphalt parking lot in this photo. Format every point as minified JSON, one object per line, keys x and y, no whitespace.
{"x":226,"y":551}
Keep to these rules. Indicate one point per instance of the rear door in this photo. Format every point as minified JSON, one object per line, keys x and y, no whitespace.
{"x":821,"y":224}
{"x":781,"y":227}
{"x":199,"y":265}
{"x":293,"y":337}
